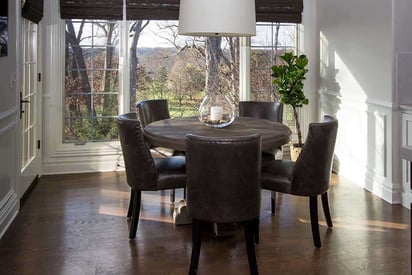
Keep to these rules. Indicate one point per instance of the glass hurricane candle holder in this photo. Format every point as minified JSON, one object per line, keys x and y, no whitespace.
{"x":216,"y":111}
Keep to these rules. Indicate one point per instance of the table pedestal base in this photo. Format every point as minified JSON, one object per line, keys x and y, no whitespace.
{"x":180,"y":214}
{"x":224,"y":230}
{"x":181,"y":217}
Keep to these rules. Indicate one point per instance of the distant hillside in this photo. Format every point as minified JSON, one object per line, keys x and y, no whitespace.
{"x":154,"y":58}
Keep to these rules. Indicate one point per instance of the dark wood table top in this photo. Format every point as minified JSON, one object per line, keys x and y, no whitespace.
{"x":170,"y":133}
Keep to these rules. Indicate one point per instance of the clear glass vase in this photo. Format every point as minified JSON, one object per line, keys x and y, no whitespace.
{"x":216,"y":111}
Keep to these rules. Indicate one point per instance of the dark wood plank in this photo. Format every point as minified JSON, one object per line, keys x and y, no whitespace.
{"x":76,"y":224}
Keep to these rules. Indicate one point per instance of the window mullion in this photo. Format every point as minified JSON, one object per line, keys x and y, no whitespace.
{"x":244,"y":68}
{"x":124,"y":68}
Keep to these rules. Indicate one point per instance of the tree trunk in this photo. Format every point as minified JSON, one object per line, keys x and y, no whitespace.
{"x":81,"y":65}
{"x":213,"y":54}
{"x":108,"y":103}
{"x":297,"y":123}
{"x":136,"y":29}
{"x":234,"y":68}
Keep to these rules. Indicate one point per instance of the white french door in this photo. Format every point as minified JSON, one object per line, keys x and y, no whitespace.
{"x":29,"y":108}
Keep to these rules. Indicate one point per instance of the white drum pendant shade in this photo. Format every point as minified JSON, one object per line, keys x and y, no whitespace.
{"x":217,"y":17}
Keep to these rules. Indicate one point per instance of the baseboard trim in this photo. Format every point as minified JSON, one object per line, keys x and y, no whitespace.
{"x":31,"y":187}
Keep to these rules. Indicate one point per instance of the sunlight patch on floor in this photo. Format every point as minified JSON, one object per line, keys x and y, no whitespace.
{"x":120,"y":209}
{"x":361,"y":225}
{"x":111,"y":210}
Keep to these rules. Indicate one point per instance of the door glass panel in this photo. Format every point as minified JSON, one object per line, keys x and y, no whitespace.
{"x":28,"y":93}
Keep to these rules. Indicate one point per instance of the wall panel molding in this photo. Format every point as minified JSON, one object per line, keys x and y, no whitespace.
{"x":367,"y":143}
{"x":9,"y":203}
{"x":9,"y":206}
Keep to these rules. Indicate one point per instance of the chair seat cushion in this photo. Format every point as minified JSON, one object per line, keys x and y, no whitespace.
{"x":172,"y":172}
{"x":276,"y":175}
{"x":267,"y":156}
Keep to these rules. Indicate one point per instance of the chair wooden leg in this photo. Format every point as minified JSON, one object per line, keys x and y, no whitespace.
{"x":313,"y":205}
{"x":196,"y":243}
{"x":130,"y":209}
{"x":256,"y":230}
{"x":250,"y":246}
{"x":273,"y":202}
{"x":135,"y":213}
{"x":172,"y":195}
{"x":325,"y":206}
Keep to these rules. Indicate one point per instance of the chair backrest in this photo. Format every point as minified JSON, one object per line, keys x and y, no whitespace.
{"x":152,"y":110}
{"x":312,"y":170}
{"x":141,"y":171}
{"x":223,"y":178}
{"x":262,"y":109}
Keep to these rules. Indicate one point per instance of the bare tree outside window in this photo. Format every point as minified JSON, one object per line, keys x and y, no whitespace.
{"x":91,"y":80}
{"x":271,"y":41}
{"x":162,"y":64}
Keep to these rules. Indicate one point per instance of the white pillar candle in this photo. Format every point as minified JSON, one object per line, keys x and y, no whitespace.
{"x":216,"y":113}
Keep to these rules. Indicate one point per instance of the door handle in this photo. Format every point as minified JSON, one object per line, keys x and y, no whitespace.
{"x":22,"y":101}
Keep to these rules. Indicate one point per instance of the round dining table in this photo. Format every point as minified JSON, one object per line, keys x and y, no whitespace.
{"x":170,"y":133}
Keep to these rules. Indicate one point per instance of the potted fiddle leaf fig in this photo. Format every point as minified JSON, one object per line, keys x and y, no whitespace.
{"x":288,"y":80}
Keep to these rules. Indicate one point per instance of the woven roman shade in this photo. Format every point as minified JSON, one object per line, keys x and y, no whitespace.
{"x":281,"y":11}
{"x":152,"y":9}
{"x":284,"y":11}
{"x":4,"y":10}
{"x":91,"y":9}
{"x":32,"y":10}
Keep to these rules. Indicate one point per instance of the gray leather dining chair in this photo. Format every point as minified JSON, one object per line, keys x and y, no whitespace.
{"x":310,"y":175}
{"x":270,"y":110}
{"x":143,"y":172}
{"x":223,"y":187}
{"x":151,"y":110}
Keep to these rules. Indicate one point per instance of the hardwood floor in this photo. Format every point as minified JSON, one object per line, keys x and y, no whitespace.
{"x":76,"y":224}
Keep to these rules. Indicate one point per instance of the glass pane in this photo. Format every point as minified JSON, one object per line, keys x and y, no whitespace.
{"x":74,"y":83}
{"x":104,"y":81}
{"x":32,"y":78}
{"x":24,"y":83}
{"x":287,"y":36}
{"x":30,"y":144}
{"x":261,"y":80}
{"x":24,"y":157}
{"x":263,"y":36}
{"x":104,"y":58}
{"x":104,"y":129}
{"x":78,"y":106}
{"x":106,"y":105}
{"x":261,"y":58}
{"x":77,"y":130}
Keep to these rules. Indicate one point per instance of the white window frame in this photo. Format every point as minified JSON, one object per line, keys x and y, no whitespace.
{"x":59,"y":157}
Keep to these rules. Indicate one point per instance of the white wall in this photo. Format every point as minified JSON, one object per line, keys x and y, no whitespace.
{"x":359,"y":37}
{"x":402,"y":38}
{"x":403,"y":51}
{"x":8,"y":127}
{"x":356,"y":84}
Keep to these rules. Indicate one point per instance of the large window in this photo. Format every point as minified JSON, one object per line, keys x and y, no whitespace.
{"x":271,"y":41}
{"x":91,"y":81}
{"x":158,"y":64}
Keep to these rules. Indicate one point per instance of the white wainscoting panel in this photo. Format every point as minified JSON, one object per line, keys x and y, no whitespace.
{"x":406,"y":168}
{"x":9,"y":203}
{"x":367,"y":147}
